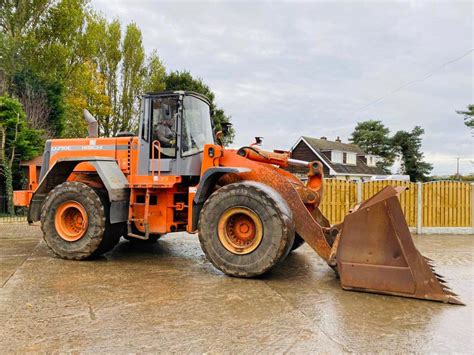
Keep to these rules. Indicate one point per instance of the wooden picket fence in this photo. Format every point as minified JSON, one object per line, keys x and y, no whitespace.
{"x":338,"y":197}
{"x":443,"y":203}
{"x":408,"y":199}
{"x":447,"y":204}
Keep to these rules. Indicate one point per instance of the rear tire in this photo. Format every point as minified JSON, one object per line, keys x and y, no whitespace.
{"x":245,"y":229}
{"x":75,"y":222}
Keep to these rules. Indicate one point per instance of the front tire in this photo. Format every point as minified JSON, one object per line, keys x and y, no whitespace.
{"x":245,"y":229}
{"x":75,"y":223}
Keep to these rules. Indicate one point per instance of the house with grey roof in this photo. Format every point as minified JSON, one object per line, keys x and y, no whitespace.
{"x":342,"y":161}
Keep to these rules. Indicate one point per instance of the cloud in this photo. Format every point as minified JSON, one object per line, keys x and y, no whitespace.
{"x":283,"y":70}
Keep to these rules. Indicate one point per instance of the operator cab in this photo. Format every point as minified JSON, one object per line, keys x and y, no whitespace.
{"x":181,"y":122}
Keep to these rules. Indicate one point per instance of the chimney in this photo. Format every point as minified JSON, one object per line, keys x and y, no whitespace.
{"x":92,"y":125}
{"x":338,"y":139}
{"x":324,"y":138}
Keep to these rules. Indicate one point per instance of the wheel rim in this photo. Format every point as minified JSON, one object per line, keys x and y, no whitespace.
{"x":71,"y":221}
{"x":240,"y":230}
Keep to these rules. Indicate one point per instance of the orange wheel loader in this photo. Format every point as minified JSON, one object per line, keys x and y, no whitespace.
{"x":248,"y":211}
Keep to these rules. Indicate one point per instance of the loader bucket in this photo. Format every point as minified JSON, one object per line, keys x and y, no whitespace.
{"x":376,"y":253}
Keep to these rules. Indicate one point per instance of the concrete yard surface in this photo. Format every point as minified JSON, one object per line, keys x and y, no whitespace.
{"x":166,"y":297}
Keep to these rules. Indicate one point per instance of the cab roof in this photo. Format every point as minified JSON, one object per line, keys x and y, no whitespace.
{"x":176,"y":93}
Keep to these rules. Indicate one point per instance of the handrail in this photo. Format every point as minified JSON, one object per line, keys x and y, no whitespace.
{"x":155,"y":145}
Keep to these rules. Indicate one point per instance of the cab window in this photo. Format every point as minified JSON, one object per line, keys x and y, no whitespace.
{"x":196,"y":129}
{"x":164,"y":118}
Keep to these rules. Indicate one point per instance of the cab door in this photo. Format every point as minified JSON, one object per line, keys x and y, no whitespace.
{"x":160,"y":117}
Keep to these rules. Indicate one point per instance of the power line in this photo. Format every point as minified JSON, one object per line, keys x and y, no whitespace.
{"x":427,"y":75}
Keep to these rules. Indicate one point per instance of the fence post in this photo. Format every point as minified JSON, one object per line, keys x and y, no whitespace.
{"x":359,"y":191}
{"x":419,"y":215}
{"x":472,"y":207}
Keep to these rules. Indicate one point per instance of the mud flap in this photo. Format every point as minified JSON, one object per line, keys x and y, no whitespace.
{"x":376,"y":253}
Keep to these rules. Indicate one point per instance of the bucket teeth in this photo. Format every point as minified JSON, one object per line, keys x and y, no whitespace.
{"x":448,"y":291}
{"x":448,"y":295}
{"x":453,"y":298}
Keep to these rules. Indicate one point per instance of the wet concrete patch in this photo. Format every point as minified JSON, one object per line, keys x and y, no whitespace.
{"x":366,"y":322}
{"x":13,"y":252}
{"x":167,"y":297}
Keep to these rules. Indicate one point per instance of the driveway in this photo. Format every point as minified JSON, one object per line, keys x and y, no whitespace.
{"x":167,"y":297}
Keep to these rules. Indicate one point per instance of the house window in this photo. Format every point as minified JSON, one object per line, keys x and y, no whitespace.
{"x":351,"y":159}
{"x":371,"y":161}
{"x":336,"y":156}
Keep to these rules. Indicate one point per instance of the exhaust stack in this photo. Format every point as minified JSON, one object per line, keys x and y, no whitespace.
{"x":92,"y":125}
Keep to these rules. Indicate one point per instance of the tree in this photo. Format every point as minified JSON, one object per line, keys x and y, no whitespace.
{"x":373,"y":137}
{"x":408,"y":146}
{"x":132,"y":77}
{"x":20,"y":17}
{"x":40,"y":43}
{"x":19,"y":20}
{"x":155,"y":76}
{"x":468,"y":116}
{"x":89,"y":93}
{"x":16,"y":140}
{"x":101,"y":46}
{"x":33,"y":97}
{"x":41,"y":100}
{"x":185,"y":81}
{"x":49,"y":45}
{"x":121,"y":65}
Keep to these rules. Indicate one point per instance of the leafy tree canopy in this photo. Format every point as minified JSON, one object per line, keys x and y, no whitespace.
{"x":468,"y":116}
{"x":373,"y":137}
{"x":42,"y":101}
{"x":155,"y":76}
{"x":21,"y":141}
{"x":408,"y":146}
{"x":17,"y":141}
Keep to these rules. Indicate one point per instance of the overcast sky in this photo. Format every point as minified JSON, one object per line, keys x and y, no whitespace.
{"x":283,"y":70}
